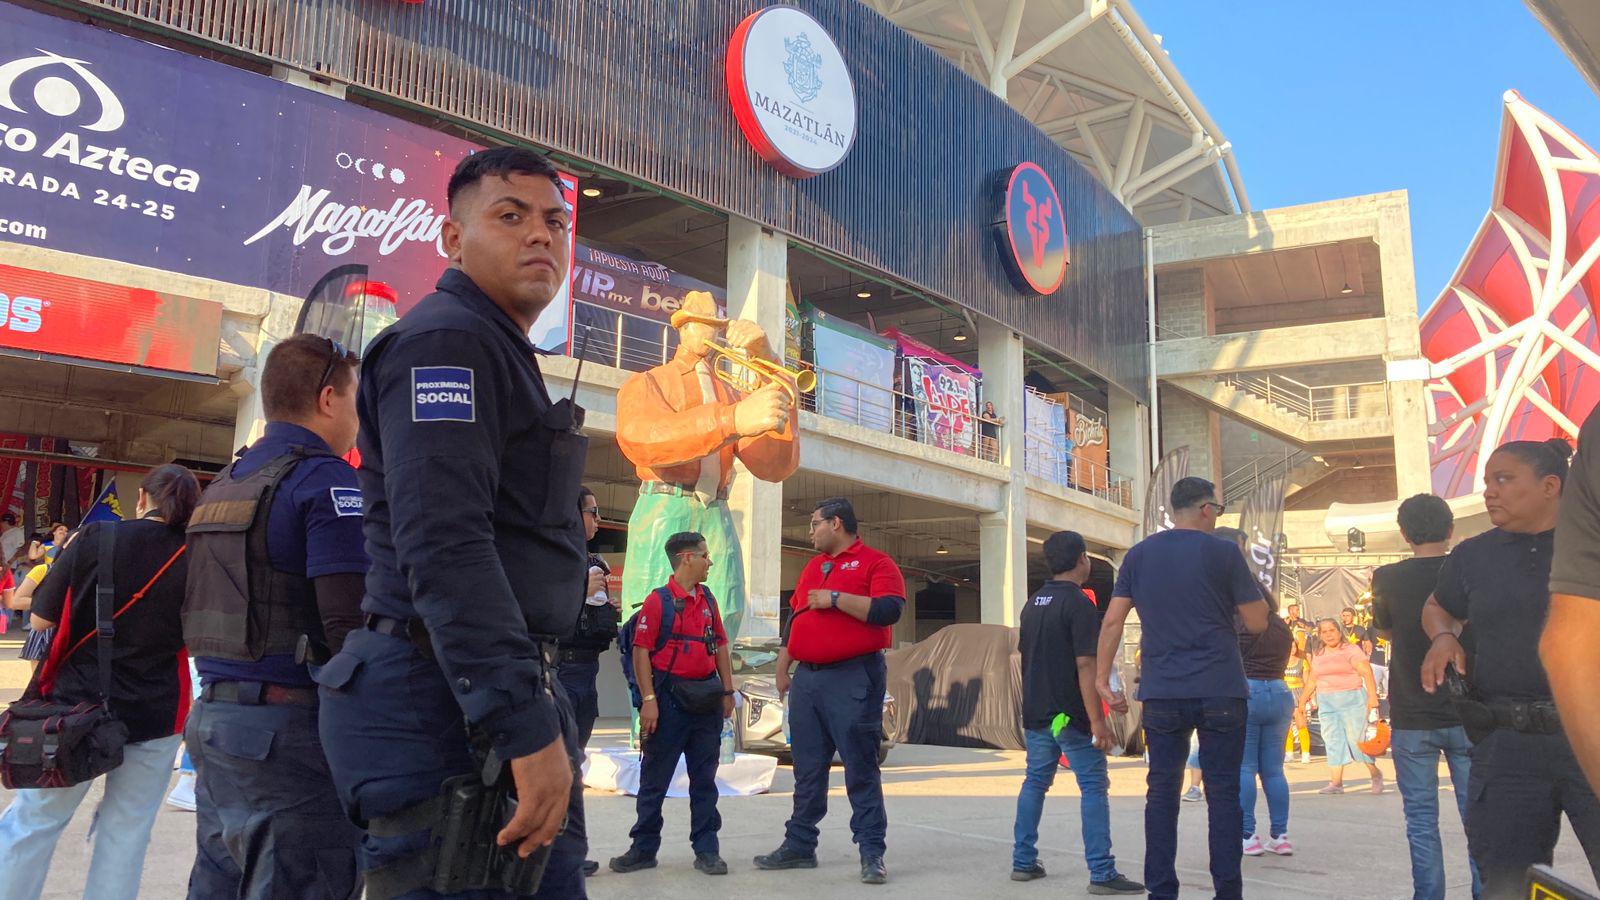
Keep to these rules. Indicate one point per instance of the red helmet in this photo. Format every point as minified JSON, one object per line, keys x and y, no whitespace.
{"x":1376,"y":741}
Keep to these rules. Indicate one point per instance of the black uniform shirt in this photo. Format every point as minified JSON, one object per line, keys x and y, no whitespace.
{"x":470,"y":477}
{"x":1500,"y":582}
{"x":1058,"y":625}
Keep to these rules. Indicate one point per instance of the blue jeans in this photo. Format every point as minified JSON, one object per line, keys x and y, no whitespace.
{"x":1271,"y":712}
{"x":33,"y":822}
{"x":1167,"y":726}
{"x":1416,"y":771}
{"x":1089,"y":767}
{"x":696,"y":738}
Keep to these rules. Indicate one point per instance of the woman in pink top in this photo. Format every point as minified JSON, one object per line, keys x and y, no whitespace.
{"x":1340,"y":686}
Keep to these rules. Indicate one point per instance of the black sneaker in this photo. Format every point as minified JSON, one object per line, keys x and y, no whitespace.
{"x":786,"y":857}
{"x":590,"y":867}
{"x":710,"y":863}
{"x":873,"y":871}
{"x":632,"y":861}
{"x":1117,"y":885}
{"x":1028,"y":874}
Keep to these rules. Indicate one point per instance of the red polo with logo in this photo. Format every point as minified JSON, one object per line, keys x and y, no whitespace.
{"x":822,"y":636}
{"x":685,"y":653}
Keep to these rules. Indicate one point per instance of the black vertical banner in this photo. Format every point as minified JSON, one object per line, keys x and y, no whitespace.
{"x":1261,"y":520}
{"x":1174,"y":467}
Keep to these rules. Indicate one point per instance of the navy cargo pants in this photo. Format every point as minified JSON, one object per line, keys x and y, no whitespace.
{"x":838,"y":707}
{"x":1519,"y":786}
{"x":698,"y":739}
{"x":268,"y":822}
{"x":581,"y":679}
{"x":393,"y":733}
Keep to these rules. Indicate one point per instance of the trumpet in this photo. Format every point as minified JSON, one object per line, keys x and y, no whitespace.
{"x":747,"y":373}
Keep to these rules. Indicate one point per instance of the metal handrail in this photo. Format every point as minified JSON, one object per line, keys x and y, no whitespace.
{"x":892,"y":411}
{"x":1319,"y":403}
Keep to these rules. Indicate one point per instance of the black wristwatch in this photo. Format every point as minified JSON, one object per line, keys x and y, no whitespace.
{"x":834,"y":595}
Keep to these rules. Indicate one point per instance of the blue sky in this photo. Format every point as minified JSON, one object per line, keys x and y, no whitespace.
{"x":1375,"y":95}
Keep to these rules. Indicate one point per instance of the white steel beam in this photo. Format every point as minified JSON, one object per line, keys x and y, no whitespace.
{"x":980,"y":34}
{"x":1165,"y":180}
{"x":1130,"y":145}
{"x":1055,"y":39}
{"x":1005,"y":48}
{"x":1096,"y":153}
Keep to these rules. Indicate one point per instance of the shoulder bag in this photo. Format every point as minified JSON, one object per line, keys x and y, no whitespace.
{"x":45,"y":743}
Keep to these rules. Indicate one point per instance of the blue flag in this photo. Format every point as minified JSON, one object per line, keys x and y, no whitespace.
{"x":106,"y":507}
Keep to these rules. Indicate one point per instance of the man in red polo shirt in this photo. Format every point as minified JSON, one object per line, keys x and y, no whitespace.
{"x":845,"y":603}
{"x":693,"y":664}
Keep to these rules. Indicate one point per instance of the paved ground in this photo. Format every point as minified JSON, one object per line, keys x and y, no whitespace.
{"x":950,"y":814}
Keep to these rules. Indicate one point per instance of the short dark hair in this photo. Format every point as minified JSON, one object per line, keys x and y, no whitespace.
{"x":291,"y":379}
{"x":174,"y":491}
{"x":680,"y":542}
{"x":1348,"y":609}
{"x":1191,"y":492}
{"x":1425,"y":519}
{"x":498,"y":162}
{"x":1544,"y":457}
{"x":9,"y":517}
{"x":583,"y":491}
{"x":839,"y":508}
{"x":1063,"y":550}
{"x":1231,"y":535}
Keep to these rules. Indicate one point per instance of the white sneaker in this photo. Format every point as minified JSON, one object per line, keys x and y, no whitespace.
{"x":1279,"y":845}
{"x":1252,"y":846}
{"x":1305,"y":757}
{"x":1193,"y":795}
{"x":1289,"y":757}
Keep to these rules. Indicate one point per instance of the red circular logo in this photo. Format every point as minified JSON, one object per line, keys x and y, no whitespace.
{"x":1031,"y":230}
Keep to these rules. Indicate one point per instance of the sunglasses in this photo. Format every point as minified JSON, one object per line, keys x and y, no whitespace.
{"x":1221,"y":507}
{"x":591,"y":510}
{"x":336,"y":353}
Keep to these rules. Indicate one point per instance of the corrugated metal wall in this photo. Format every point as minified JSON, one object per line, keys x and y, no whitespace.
{"x":636,"y":86}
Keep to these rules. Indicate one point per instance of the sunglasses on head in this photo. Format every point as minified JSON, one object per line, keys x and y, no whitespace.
{"x":336,"y":353}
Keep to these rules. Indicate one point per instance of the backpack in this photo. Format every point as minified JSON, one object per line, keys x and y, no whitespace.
{"x":669,"y":612}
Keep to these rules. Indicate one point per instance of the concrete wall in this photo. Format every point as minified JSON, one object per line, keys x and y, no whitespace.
{"x":1184,"y":309}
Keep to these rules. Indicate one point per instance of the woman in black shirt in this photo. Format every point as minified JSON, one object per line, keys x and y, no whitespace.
{"x":149,"y":690}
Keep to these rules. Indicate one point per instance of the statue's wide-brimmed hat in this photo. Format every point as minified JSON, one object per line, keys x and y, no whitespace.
{"x":701,"y":307}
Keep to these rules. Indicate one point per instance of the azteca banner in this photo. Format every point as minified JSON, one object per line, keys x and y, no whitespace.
{"x":119,"y":149}
{"x":947,"y":400}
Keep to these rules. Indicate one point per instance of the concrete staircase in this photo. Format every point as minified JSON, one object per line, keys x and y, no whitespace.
{"x":1294,"y":413}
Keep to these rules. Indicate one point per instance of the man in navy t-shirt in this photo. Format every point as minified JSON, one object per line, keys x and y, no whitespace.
{"x":1187,"y":586}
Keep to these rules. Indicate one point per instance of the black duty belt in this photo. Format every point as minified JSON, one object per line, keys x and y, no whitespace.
{"x":574,"y":655}
{"x":818,"y":667}
{"x":1531,"y":716}
{"x":411,"y":629}
{"x":255,"y":693}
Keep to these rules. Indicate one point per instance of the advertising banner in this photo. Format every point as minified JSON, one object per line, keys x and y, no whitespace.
{"x":66,"y":316}
{"x":1045,"y":448}
{"x":855,"y":372}
{"x":947,"y":402}
{"x":1174,"y":467}
{"x":622,"y":284}
{"x":120,"y":149}
{"x":1261,"y":520}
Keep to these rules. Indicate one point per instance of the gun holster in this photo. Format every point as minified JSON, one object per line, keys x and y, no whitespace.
{"x":1476,"y":717}
{"x":463,"y":820}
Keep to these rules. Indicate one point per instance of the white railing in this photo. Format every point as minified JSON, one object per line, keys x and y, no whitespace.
{"x":1320,"y":403}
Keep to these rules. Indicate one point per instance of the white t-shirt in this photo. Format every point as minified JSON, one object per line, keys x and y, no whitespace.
{"x":10,"y":542}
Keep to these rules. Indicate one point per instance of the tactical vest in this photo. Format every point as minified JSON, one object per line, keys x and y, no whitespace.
{"x":237,"y":605}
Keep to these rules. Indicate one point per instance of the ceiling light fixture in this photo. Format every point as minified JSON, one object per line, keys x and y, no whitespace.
{"x":591,"y":192}
{"x":942,"y":551}
{"x":864,"y":295}
{"x":1347,"y":289}
{"x":959,"y":336}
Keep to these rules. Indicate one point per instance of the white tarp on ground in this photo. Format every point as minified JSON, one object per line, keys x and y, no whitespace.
{"x":617,"y":769}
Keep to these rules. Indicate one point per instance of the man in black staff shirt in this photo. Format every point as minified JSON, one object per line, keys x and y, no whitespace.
{"x":470,"y":475}
{"x":1061,"y":715}
{"x":1568,"y":646}
{"x":1425,"y":725}
{"x":1524,"y":775}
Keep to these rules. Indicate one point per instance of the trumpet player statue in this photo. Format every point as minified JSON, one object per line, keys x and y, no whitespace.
{"x":682,"y":424}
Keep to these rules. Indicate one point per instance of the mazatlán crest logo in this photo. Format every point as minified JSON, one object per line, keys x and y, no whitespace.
{"x":1030,"y":229}
{"x":803,"y":67}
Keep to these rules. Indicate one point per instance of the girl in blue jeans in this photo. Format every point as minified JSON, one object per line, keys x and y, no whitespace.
{"x":1271,"y":713}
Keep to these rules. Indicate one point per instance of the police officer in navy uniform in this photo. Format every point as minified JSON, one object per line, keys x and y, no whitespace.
{"x":578,"y":667}
{"x":274,"y":582}
{"x":470,"y":474}
{"x":847,"y":600}
{"x":1524,"y":774}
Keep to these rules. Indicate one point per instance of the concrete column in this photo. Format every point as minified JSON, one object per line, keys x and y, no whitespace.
{"x":1408,"y":417}
{"x":1003,"y":533}
{"x":1129,"y":427}
{"x":758,"y":272}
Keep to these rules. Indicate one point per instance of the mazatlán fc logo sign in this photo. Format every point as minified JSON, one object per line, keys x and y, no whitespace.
{"x":1030,"y":229}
